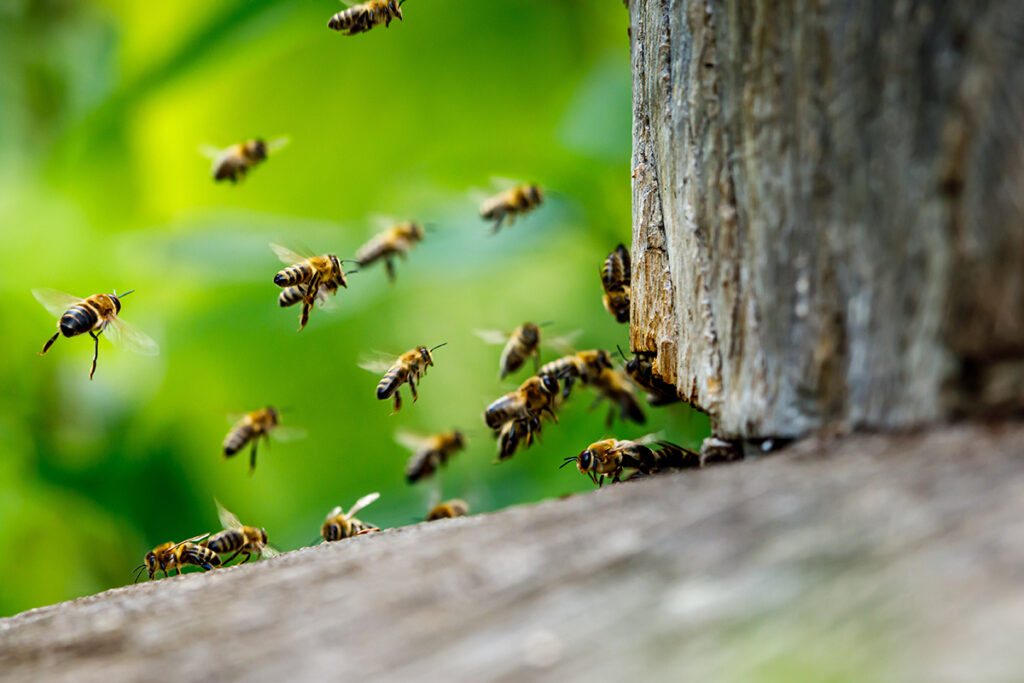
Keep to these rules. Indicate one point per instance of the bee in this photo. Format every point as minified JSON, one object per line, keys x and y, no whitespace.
{"x":364,"y":16}
{"x":430,"y":452}
{"x":395,"y":241}
{"x":520,"y":346}
{"x":235,"y":161}
{"x":609,"y":457}
{"x":173,"y":556}
{"x":456,"y":507}
{"x":255,"y":426}
{"x":582,"y":365}
{"x":512,"y":434}
{"x":307,"y":279}
{"x":615,"y":278}
{"x":529,"y":401}
{"x":614,"y":386}
{"x":338,"y":526}
{"x":409,"y":367}
{"x":237,"y":538}
{"x":640,"y":369}
{"x":511,"y":203}
{"x":95,"y":315}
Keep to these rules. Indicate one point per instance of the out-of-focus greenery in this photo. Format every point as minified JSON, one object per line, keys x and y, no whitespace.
{"x":103,"y":105}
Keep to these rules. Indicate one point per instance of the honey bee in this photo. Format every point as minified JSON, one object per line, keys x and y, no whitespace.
{"x":338,"y":526}
{"x":520,"y":346}
{"x":307,"y":279}
{"x":615,"y":278}
{"x":609,"y":457}
{"x":167,"y":557}
{"x":512,"y":434}
{"x":640,"y":369}
{"x":252,"y":427}
{"x":429,"y":452}
{"x":395,"y":241}
{"x":614,"y":386}
{"x":456,"y":507}
{"x":235,"y":161}
{"x":95,"y":315}
{"x":237,"y":538}
{"x":513,"y":202}
{"x":584,"y":366}
{"x":409,"y":367}
{"x":529,"y":401}
{"x":364,"y":16}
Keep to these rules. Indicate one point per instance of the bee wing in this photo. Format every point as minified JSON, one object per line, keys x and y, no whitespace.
{"x":287,"y":256}
{"x":286,"y":434}
{"x":378,"y":363}
{"x":57,"y":303}
{"x":335,"y":511}
{"x":564,"y":344}
{"x":191,"y":540}
{"x":492,"y":336}
{"x":361,"y":503}
{"x":381,"y":222}
{"x":270,"y":551}
{"x":227,"y":518}
{"x":128,"y":336}
{"x":413,"y":442}
{"x":502,"y":183}
{"x":209,"y":151}
{"x":278,"y":143}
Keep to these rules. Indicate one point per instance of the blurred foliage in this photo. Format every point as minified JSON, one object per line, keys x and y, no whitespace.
{"x":102,"y":107}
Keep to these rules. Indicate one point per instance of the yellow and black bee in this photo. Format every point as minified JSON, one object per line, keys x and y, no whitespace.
{"x":615,"y":279}
{"x":259,"y":424}
{"x":167,"y":557}
{"x":640,"y":369}
{"x":511,"y":203}
{"x":614,"y":386}
{"x":94,"y":315}
{"x":609,"y":457}
{"x":395,"y":241}
{"x":237,"y":538}
{"x":584,"y":366}
{"x":520,"y":346}
{"x":409,"y":368}
{"x":364,"y":16}
{"x":514,"y":432}
{"x":307,"y":279}
{"x":533,"y":397}
{"x":339,"y":525}
{"x":449,"y":509}
{"x":235,"y":161}
{"x":429,"y":452}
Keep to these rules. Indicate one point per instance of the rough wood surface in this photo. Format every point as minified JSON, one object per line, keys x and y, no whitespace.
{"x":828,"y":225}
{"x":867,"y":558}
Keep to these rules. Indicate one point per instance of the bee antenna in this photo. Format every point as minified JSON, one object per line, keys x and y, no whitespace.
{"x":620,"y":352}
{"x":121,"y":296}
{"x":137,"y":572}
{"x":438,"y":346}
{"x":545,"y":324}
{"x":349,"y":260}
{"x":567,"y":462}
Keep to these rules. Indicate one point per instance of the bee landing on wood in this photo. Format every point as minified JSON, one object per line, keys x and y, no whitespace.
{"x":615,"y":279}
{"x":609,"y":457}
{"x":237,"y":538}
{"x":95,"y":315}
{"x":408,"y":368}
{"x":614,"y":386}
{"x":449,"y":509}
{"x":640,"y":369}
{"x":360,"y":18}
{"x":340,"y":525}
{"x":167,"y":557}
{"x":232,"y":163}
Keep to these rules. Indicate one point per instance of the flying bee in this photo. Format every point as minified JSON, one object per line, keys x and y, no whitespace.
{"x":306,"y":279}
{"x":514,"y":432}
{"x":237,"y":538}
{"x":609,"y":457}
{"x":235,"y":161}
{"x":251,"y":427}
{"x":429,"y":452}
{"x":584,"y":366}
{"x":456,"y":507}
{"x":95,"y":315}
{"x":529,"y":401}
{"x":364,"y":16}
{"x":615,"y":278}
{"x":395,"y":241}
{"x":338,"y":526}
{"x":173,"y":556}
{"x":409,"y":367}
{"x":511,"y":203}
{"x":640,"y":369}
{"x":614,"y":386}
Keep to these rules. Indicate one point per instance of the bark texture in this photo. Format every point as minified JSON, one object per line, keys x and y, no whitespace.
{"x":865,"y":558}
{"x":828,"y":224}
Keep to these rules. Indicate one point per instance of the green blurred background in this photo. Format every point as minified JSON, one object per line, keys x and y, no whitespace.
{"x":103,"y":105}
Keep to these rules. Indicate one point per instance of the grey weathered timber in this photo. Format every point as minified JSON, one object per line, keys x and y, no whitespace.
{"x":897,"y":558}
{"x":828,"y":224}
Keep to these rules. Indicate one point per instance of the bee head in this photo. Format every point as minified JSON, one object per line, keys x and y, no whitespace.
{"x":426,"y":353}
{"x":459,"y":439}
{"x":531,"y":333}
{"x":396,"y":8}
{"x":535,"y":194}
{"x":416,"y":231}
{"x":263,"y":536}
{"x":550,"y":384}
{"x":258,"y":149}
{"x":275,"y":417}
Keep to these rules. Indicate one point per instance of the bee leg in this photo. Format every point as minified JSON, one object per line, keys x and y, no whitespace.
{"x":412,"y":388}
{"x":601,"y":483}
{"x":228,"y":561}
{"x":50,"y":342}
{"x":252,"y":456}
{"x":95,"y":352}
{"x":608,"y":421}
{"x":389,"y":266}
{"x":398,"y":401}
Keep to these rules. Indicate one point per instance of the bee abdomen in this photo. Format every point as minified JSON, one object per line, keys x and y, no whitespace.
{"x":225,"y":541}
{"x":291,"y":296}
{"x":293,"y":275}
{"x":198,"y":555}
{"x":333,"y":531}
{"x":236,"y":439}
{"x":78,"y":320}
{"x":389,"y":383}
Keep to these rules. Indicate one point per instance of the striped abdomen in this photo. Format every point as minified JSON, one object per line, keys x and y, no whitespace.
{"x":226,"y":541}
{"x":502,"y":410}
{"x":291,"y":295}
{"x":79,"y":319}
{"x":375,"y":249}
{"x":238,"y":437}
{"x":337,"y":529}
{"x":195,"y":554}
{"x":567,"y":366}
{"x":298,"y":274}
{"x":671,"y":456}
{"x":360,"y":18}
{"x":394,"y":378}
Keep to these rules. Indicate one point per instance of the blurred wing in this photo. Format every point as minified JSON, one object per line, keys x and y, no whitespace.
{"x":270,"y":551}
{"x":651,"y":438}
{"x":209,"y":151}
{"x":378,"y":363}
{"x":413,"y":442}
{"x":564,"y":343}
{"x":287,"y":256}
{"x":361,"y":503}
{"x":335,"y":511}
{"x":381,"y":222}
{"x":502,"y":183}
{"x":129,"y":337}
{"x":348,"y":3}
{"x":192,"y":540}
{"x":57,"y":303}
{"x":286,"y":434}
{"x":227,"y":518}
{"x":278,"y":143}
{"x":235,"y":418}
{"x":492,"y":336}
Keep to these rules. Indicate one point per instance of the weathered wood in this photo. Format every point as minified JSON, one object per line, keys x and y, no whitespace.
{"x":828,"y":198}
{"x":867,"y":558}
